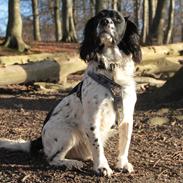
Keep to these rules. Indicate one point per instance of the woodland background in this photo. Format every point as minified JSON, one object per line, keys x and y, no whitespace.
{"x":40,"y":64}
{"x":159,"y":21}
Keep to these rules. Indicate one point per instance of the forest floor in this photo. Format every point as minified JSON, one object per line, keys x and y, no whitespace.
{"x":42,"y":47}
{"x":156,"y":149}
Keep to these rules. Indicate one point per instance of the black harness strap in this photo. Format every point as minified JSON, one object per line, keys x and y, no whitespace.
{"x":104,"y":81}
{"x":112,"y":87}
{"x":77,"y":90}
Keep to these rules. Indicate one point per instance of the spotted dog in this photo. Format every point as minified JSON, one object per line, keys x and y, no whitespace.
{"x":78,"y":127}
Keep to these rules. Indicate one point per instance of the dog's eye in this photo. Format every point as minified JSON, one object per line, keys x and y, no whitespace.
{"x":117,"y":19}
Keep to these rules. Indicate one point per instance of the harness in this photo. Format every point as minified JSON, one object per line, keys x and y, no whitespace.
{"x":77,"y":90}
{"x":113,"y":88}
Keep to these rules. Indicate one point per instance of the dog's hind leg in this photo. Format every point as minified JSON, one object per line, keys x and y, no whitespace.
{"x":56,"y":150}
{"x":60,"y":160}
{"x":82,"y":150}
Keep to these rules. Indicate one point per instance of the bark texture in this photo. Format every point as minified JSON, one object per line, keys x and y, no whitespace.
{"x":100,"y":5}
{"x":36,"y":24}
{"x":58,"y":30}
{"x":152,"y":9}
{"x":14,"y":38}
{"x":145,"y":28}
{"x":169,"y":29}
{"x":115,"y":5}
{"x":46,"y":70}
{"x":69,"y":32}
{"x":136,"y":7}
{"x":156,"y":33}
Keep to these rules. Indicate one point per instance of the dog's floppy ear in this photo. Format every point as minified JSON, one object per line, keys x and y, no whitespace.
{"x":131,"y":41}
{"x":88,"y":46}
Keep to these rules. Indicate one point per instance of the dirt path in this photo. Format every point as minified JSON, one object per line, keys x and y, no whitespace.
{"x":156,"y":151}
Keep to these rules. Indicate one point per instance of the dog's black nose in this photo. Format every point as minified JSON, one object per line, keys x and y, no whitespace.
{"x":104,"y":21}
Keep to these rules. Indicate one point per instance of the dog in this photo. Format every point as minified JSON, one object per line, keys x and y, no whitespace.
{"x":77,"y":128}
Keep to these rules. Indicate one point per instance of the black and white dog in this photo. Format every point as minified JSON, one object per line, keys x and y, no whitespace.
{"x":78,"y":127}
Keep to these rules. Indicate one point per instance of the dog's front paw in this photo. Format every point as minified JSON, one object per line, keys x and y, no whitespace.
{"x":103,"y":169}
{"x":125,"y":167}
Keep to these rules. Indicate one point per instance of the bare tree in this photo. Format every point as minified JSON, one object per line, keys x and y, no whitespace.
{"x":136,"y":7}
{"x":69,"y":32}
{"x":181,"y":15}
{"x":84,"y":7}
{"x":36,"y":30}
{"x":145,"y":28}
{"x":156,"y":33}
{"x":168,"y":33}
{"x":152,"y":9}
{"x":14,"y":28}
{"x":115,"y":4}
{"x":58,"y":30}
{"x":92,"y":8}
{"x":100,"y":5}
{"x":120,"y":5}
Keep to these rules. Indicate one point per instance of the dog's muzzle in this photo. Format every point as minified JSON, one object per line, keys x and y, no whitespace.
{"x":106,"y":31}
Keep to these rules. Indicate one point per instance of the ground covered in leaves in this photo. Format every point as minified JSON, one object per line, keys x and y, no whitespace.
{"x":156,"y":149}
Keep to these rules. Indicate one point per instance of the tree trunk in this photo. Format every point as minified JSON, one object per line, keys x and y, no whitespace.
{"x":169,"y":29}
{"x":36,"y":27}
{"x":84,"y":8}
{"x":120,"y":5}
{"x":46,"y":70}
{"x":69,"y":32}
{"x":58,"y":31}
{"x":181,"y":15}
{"x":156,"y":30}
{"x":136,"y":7}
{"x":40,"y":71}
{"x":92,"y":8}
{"x":145,"y":28}
{"x":100,"y":5}
{"x":152,"y":9}
{"x":115,"y":5}
{"x":14,"y":38}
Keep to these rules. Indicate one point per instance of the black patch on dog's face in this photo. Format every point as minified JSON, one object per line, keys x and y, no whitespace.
{"x":126,"y":36}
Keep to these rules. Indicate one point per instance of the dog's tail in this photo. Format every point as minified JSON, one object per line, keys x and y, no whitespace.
{"x":28,"y":146}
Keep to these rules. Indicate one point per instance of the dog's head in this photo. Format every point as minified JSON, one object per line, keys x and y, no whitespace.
{"x":110,"y":28}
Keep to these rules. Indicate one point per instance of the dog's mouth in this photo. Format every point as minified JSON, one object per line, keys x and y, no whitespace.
{"x":106,"y":37}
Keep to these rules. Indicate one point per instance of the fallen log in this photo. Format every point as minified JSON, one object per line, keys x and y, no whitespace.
{"x":155,"y":61}
{"x":40,"y":71}
{"x":161,"y":65}
{"x":47,"y":71}
{"x":23,"y":59}
{"x":150,"y":81}
{"x":150,"y":53}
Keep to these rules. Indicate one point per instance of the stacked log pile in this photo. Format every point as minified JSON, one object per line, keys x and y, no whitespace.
{"x":159,"y":64}
{"x":22,"y":69}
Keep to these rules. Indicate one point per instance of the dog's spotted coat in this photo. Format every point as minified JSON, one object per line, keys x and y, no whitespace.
{"x":78,"y":127}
